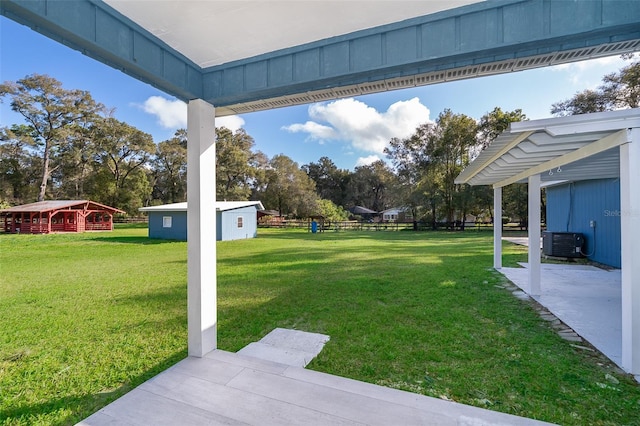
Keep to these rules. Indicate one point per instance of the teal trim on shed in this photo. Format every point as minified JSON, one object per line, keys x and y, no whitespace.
{"x":571,"y":208}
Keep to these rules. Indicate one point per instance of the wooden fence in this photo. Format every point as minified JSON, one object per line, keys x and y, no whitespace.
{"x":353,"y":225}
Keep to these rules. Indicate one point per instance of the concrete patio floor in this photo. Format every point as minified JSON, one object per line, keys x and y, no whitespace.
{"x":225,"y":388}
{"x":584,"y":297}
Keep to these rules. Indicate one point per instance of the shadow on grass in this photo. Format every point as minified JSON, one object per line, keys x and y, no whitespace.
{"x":157,"y":299}
{"x":394,"y":246}
{"x":133,"y":240}
{"x":82,"y":406}
{"x":141,"y":225}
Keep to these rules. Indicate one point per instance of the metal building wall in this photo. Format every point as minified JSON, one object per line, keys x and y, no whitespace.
{"x":178,"y":230}
{"x":571,"y":208}
{"x":227,"y":222}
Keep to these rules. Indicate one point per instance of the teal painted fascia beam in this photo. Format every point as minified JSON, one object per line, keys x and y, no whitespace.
{"x":480,"y":39}
{"x":98,"y":31}
{"x":481,"y":33}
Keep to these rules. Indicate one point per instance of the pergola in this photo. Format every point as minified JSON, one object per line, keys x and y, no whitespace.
{"x":581,"y":147}
{"x":44,"y":217}
{"x":243,"y":56}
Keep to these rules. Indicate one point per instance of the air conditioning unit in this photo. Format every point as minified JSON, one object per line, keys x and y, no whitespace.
{"x":562,"y":244}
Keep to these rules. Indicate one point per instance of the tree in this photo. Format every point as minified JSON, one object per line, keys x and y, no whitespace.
{"x":431,"y":159}
{"x":170,"y":169}
{"x":331,"y":182}
{"x":287,"y":188}
{"x":453,"y":138}
{"x":122,"y":152}
{"x":622,"y":89}
{"x":19,"y":168}
{"x":495,"y":122}
{"x":234,"y":170}
{"x":492,"y":124}
{"x":75,"y":160}
{"x":50,"y":111}
{"x":373,"y":186}
{"x":411,"y":160}
{"x":516,"y":203}
{"x":584,"y":102}
{"x":330,"y":211}
{"x":618,"y":91}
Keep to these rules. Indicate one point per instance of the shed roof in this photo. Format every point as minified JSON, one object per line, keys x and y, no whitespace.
{"x":220,"y":206}
{"x":361,"y":210}
{"x":569,"y":148}
{"x":395,"y":209}
{"x":50,"y":205}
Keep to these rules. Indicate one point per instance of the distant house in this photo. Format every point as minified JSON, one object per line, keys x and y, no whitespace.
{"x":270,"y":218}
{"x":397,"y":214}
{"x":365,"y":213}
{"x":235,"y":220}
{"x":45,"y":217}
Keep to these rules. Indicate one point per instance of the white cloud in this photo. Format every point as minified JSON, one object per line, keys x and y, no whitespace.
{"x":172,"y":114}
{"x":315,"y":130}
{"x":365,"y":161}
{"x":231,"y":122}
{"x":360,"y":125}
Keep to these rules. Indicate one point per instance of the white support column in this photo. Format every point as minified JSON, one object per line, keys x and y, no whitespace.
{"x":497,"y":228}
{"x":630,"y":224}
{"x":201,"y":228}
{"x":534,"y":235}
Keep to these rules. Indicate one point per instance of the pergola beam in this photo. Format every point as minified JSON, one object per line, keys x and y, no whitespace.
{"x":608,"y":142}
{"x":471,"y":171}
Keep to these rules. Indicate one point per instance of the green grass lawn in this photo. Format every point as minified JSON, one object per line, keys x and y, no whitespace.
{"x":85,"y":318}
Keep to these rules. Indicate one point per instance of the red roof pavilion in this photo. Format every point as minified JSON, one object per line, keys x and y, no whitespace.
{"x":45,"y":217}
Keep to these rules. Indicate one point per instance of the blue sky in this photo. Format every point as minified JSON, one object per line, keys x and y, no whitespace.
{"x":350,"y":132}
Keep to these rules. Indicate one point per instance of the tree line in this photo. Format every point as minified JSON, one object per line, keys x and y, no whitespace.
{"x":71,"y":147}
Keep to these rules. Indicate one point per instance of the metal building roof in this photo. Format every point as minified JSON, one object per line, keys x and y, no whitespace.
{"x":220,"y":206}
{"x":50,"y":205}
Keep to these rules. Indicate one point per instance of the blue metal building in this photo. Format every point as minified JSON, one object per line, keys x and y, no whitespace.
{"x":592,"y":208}
{"x":235,"y":220}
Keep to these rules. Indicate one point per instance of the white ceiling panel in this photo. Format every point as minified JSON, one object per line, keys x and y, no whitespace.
{"x":213,"y":32}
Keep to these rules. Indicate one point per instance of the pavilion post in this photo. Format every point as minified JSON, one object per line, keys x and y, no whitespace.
{"x":535,"y":288}
{"x":201,"y":229}
{"x":630,"y":235}
{"x":497,"y":227}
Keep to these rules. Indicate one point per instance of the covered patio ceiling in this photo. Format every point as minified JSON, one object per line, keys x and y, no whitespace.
{"x":215,"y":32}
{"x":571,"y":148}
